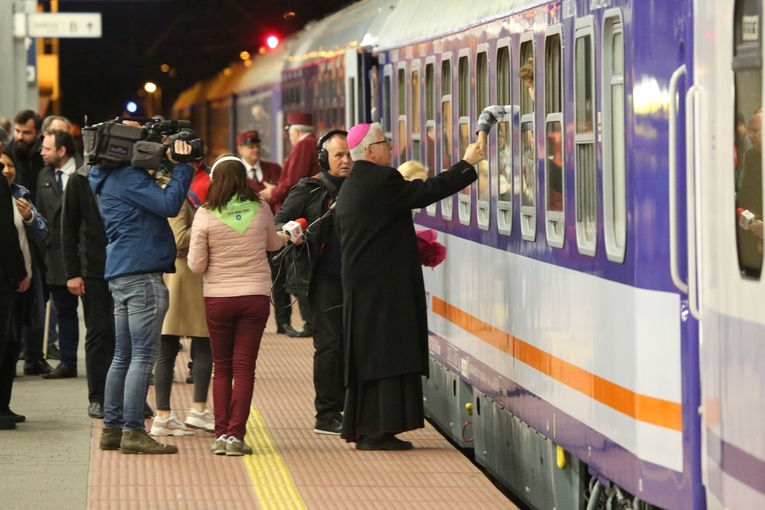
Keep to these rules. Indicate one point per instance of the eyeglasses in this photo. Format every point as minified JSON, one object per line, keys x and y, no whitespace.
{"x":384,"y":140}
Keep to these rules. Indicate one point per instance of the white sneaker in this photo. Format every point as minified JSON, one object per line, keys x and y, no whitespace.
{"x":219,"y":446}
{"x":203,"y":421}
{"x":169,"y":427}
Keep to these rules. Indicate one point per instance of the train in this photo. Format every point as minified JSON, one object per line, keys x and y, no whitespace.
{"x":597,"y":335}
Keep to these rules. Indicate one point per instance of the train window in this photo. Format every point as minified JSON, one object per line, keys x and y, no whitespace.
{"x":387,"y":115}
{"x":584,"y":108}
{"x":482,"y":101}
{"x":747,"y":68}
{"x":504,"y":142}
{"x":430,"y":123}
{"x":555,"y":218}
{"x":528,"y":143}
{"x":416,"y":154}
{"x":403,"y":132}
{"x":447,"y":204}
{"x":614,"y":166}
{"x":463,"y":80}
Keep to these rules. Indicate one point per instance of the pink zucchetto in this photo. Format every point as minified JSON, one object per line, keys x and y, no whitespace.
{"x":356,"y":134}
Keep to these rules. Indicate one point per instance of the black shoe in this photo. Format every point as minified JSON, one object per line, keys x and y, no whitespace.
{"x":190,"y":378}
{"x":148,"y":412}
{"x":11,"y":416}
{"x":286,"y":329}
{"x":303,"y":333}
{"x":387,"y":442}
{"x":331,"y":427}
{"x":61,"y":372}
{"x":7,"y":424}
{"x":38,"y":367}
{"x":96,"y":410}
{"x":53,"y":352}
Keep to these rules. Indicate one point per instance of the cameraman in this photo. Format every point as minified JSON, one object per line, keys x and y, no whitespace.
{"x":135,"y":209}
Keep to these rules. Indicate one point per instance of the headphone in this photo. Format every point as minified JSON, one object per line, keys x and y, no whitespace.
{"x":323,"y":155}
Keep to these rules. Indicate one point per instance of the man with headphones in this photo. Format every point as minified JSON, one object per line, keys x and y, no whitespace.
{"x":313,"y":270}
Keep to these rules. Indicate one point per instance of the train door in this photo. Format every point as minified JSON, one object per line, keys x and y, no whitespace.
{"x":726,"y":110}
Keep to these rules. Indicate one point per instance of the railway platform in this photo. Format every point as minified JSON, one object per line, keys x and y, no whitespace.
{"x":53,"y":461}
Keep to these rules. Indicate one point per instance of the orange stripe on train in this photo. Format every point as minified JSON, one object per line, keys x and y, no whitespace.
{"x":642,"y":408}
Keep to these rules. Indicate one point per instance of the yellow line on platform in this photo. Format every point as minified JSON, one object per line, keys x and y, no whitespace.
{"x":270,"y":478}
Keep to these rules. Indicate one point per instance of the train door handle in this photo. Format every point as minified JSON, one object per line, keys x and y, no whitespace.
{"x":674,"y":266}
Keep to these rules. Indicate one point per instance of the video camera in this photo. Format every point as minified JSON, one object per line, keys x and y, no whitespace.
{"x":113,"y":143}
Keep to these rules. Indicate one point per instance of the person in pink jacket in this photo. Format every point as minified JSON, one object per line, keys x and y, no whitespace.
{"x":233,"y":231}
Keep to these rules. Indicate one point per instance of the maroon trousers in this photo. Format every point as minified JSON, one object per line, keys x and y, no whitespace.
{"x":236,"y":327}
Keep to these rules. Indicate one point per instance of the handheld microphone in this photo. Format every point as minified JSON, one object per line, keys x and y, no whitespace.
{"x":745,"y":218}
{"x":295,"y":228}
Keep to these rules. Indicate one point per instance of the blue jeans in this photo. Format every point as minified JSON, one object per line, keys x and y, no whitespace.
{"x":140,"y":305}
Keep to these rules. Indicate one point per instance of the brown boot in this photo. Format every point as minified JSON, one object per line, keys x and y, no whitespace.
{"x":110,"y":439}
{"x":138,"y":441}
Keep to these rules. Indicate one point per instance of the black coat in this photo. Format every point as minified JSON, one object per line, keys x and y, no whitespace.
{"x":83,"y":235}
{"x":12,"y":269}
{"x":384,"y":309}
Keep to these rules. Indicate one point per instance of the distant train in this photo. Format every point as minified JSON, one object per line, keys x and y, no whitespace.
{"x":598,"y":326}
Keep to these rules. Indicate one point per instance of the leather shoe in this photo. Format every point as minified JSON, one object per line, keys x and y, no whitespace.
{"x":387,"y":442}
{"x":11,"y":416}
{"x":38,"y":367}
{"x":96,"y":410}
{"x":61,"y":372}
{"x":7,"y":424}
{"x":53,"y":352}
{"x":286,"y":329}
{"x":303,"y":333}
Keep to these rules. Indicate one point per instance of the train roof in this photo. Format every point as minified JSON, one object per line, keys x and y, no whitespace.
{"x":264,"y":70}
{"x":413,"y":20}
{"x":356,"y":25}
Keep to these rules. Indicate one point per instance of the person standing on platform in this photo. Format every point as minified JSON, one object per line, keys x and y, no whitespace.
{"x":27,"y":146}
{"x":57,"y":151}
{"x":185,"y":317}
{"x":384,"y":309}
{"x":229,"y":240}
{"x":83,"y":245}
{"x":30,"y":230}
{"x":141,"y":248}
{"x":262,"y":174}
{"x":316,"y":273}
{"x":303,"y":161}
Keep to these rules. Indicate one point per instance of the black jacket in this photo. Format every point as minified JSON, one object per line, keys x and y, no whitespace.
{"x":83,"y":235}
{"x":12,"y":269}
{"x":310,"y":198}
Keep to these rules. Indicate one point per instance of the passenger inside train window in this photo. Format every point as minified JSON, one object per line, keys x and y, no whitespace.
{"x":527,"y":165}
{"x":483,"y":180}
{"x":749,"y":203}
{"x":742,"y":146}
{"x":527,"y":75}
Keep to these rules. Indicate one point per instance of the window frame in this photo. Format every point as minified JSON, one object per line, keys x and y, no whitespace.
{"x":555,"y":221}
{"x":447,"y":204}
{"x":464,"y":200}
{"x":529,"y":212}
{"x":483,"y":214}
{"x":430,"y":123}
{"x":505,"y":207}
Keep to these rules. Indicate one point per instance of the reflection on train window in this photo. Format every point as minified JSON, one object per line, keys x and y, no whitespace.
{"x":463,"y":82}
{"x":747,"y":68}
{"x":584,"y":93}
{"x":447,"y":204}
{"x":614,"y":164}
{"x":403,"y":132}
{"x":554,"y":163}
{"x":526,"y":76}
{"x":554,"y":171}
{"x":504,"y":144}
{"x":430,"y":121}
{"x":387,"y":115}
{"x":373,"y":94}
{"x":528,"y":180}
{"x":416,"y":154}
{"x":484,"y":174}
{"x":504,"y":148}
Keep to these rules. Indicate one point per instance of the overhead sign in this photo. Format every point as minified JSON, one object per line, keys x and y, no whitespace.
{"x":64,"y":24}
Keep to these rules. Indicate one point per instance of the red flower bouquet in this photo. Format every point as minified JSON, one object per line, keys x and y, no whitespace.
{"x":432,"y":252}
